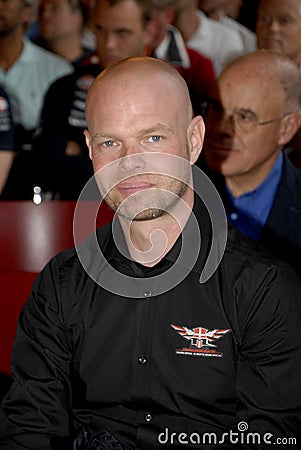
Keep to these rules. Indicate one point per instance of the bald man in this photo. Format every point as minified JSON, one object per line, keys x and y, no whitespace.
{"x":130,"y":341}
{"x":254,"y":110}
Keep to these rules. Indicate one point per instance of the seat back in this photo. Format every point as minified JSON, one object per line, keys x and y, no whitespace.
{"x":30,"y":235}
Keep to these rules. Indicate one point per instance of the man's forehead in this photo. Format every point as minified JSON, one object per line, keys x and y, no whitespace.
{"x":137,"y":75}
{"x":245,"y":83}
{"x":281,"y":6}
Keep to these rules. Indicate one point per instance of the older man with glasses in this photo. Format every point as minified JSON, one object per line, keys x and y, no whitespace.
{"x":252,"y":113}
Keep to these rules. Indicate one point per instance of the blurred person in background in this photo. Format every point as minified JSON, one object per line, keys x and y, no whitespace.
{"x":121,"y":30}
{"x":278,"y":28}
{"x":88,"y":35}
{"x":60,"y":29}
{"x":215,"y":40}
{"x":167,"y":44}
{"x":217,"y":10}
{"x":26,"y":72}
{"x":6,"y":138}
{"x":253,"y":112}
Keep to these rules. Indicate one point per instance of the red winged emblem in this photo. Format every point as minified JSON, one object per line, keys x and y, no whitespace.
{"x":201,"y":337}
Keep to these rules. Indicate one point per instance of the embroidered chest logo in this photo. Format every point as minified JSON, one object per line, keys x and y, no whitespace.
{"x":202,"y":341}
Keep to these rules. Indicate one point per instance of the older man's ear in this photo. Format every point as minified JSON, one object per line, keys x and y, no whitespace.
{"x":290,"y":128}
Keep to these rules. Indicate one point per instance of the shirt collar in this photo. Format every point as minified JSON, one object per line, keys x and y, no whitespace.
{"x":173,"y":49}
{"x":256,"y":204}
{"x":27,"y":54}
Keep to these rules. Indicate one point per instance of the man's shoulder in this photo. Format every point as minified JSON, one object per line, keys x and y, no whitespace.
{"x":284,"y":221}
{"x":81,"y":78}
{"x":251,"y":274}
{"x":248,"y":36}
{"x":46,"y":59}
{"x":291,"y":177}
{"x":217,"y":41}
{"x":245,"y":254}
{"x":219,"y":29}
{"x":288,"y":195}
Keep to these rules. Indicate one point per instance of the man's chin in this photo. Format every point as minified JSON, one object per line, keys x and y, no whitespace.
{"x":142,"y":216}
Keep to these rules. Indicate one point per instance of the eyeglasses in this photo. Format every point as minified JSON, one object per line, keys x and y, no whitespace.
{"x":244,"y":119}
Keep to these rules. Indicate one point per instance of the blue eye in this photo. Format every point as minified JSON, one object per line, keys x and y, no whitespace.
{"x":155,"y":138}
{"x":108,"y":144}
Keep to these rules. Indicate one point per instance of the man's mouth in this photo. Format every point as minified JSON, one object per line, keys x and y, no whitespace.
{"x":128,"y":188}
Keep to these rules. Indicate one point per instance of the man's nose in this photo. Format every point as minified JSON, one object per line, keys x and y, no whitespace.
{"x":110,"y":40}
{"x":132,"y":158}
{"x":227,"y":124}
{"x":274,"y":25}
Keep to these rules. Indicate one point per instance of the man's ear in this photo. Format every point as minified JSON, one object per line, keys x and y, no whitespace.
{"x":289,"y":127}
{"x":89,"y":143}
{"x":195,"y":135}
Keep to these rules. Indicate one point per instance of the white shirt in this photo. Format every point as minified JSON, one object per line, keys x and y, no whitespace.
{"x":217,"y":41}
{"x":27,"y":81}
{"x":248,"y":37}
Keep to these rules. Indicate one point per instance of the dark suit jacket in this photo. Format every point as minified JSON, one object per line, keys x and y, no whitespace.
{"x":281,"y":234}
{"x":282,"y":231}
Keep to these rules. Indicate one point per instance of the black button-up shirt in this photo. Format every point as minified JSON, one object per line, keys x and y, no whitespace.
{"x":158,"y":370}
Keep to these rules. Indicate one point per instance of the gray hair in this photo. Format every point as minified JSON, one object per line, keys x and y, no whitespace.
{"x":290,"y":80}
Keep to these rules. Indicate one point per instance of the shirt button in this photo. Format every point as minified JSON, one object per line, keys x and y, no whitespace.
{"x":234,"y":216}
{"x":148,"y":417}
{"x":142,"y":360}
{"x":147,"y":294}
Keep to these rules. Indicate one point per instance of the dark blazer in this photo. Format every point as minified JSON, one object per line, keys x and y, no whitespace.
{"x":282,"y":231}
{"x":281,"y":234}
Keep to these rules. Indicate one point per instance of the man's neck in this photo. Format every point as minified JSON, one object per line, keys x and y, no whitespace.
{"x":247,"y":182}
{"x":188,"y":23}
{"x":11,"y":47}
{"x":69,"y":48}
{"x":216,"y":14}
{"x":149,"y":241}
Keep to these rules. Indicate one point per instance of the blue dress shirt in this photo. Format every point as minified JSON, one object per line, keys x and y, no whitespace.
{"x":249,"y":212}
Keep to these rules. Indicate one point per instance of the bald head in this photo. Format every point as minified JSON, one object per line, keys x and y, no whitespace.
{"x":139,"y":108}
{"x":141,"y":76}
{"x":271,"y":68}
